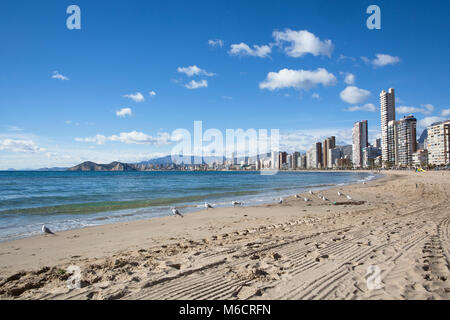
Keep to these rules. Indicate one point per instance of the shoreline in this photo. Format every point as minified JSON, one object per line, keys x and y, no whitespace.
{"x":121,"y":215}
{"x":232,"y":244}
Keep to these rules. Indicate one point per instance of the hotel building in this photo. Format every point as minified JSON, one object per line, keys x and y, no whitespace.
{"x":387,"y":109}
{"x":439,"y":143}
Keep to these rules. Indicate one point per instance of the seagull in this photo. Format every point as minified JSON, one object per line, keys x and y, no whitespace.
{"x":236,"y":203}
{"x":310,"y":192}
{"x":306,"y":199}
{"x":280,"y":201}
{"x":297,"y":196}
{"x":324,"y":199}
{"x":207,"y":205}
{"x":47,"y":230}
{"x":176,"y":212}
{"x":339,"y":193}
{"x":349,"y":198}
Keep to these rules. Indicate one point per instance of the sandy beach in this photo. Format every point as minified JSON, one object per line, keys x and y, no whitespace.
{"x":389,"y":241}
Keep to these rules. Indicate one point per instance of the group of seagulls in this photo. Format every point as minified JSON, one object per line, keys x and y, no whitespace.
{"x":207,"y":205}
{"x":342,"y":195}
{"x":322,"y":197}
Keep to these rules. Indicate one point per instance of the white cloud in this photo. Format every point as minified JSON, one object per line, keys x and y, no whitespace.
{"x":57,"y":75}
{"x":14,"y":128}
{"x":137,"y":97}
{"x":425,"y":109}
{"x":315,"y":96}
{"x":133,"y":137}
{"x":354,"y":95}
{"x":303,"y":42}
{"x":299,"y":79}
{"x":216,"y":43}
{"x":445,"y":112}
{"x":344,"y":57}
{"x":427,"y":121}
{"x":194,"y":71}
{"x":124,"y":112}
{"x":244,"y":50}
{"x":196,"y":84}
{"x":349,"y":78}
{"x":152,"y":93}
{"x":367,"y":107}
{"x":382,"y":60}
{"x":13,"y":145}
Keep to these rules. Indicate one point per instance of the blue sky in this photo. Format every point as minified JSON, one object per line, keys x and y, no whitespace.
{"x":61,"y":90}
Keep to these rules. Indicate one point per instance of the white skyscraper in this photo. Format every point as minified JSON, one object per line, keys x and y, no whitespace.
{"x":360,"y":141}
{"x":387,"y":109}
{"x":274,"y":160}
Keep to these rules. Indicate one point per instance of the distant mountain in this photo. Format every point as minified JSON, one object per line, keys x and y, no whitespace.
{"x":423,"y":136}
{"x":113,"y":166}
{"x":53,"y":169}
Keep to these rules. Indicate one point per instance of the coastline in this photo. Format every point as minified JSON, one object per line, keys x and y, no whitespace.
{"x":158,"y":249}
{"x":114,"y":209}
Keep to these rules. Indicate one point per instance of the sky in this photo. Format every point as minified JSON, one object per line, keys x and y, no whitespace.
{"x":117,"y":88}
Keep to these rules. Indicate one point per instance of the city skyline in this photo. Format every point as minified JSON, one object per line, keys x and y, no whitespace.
{"x":115,"y":91}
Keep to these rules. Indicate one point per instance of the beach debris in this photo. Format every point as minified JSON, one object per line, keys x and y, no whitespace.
{"x":280,"y":201}
{"x":176,"y":212}
{"x":47,"y":230}
{"x":207,"y":205}
{"x":237,"y":203}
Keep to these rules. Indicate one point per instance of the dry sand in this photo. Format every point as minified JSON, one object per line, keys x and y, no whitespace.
{"x":395,"y":245}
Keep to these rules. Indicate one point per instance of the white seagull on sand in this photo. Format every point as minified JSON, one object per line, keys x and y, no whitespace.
{"x":236,"y":203}
{"x":306,"y":199}
{"x":297,"y":196}
{"x":176,"y":212}
{"x":339,"y":193}
{"x":310,"y":192}
{"x":349,"y":198}
{"x":324,"y":199}
{"x":207,"y":205}
{"x":46,"y":230}
{"x":280,"y":201}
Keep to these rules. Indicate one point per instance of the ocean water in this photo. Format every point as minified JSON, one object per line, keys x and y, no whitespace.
{"x":71,"y":200}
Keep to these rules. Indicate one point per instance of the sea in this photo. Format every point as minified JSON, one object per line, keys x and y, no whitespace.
{"x":73,"y":200}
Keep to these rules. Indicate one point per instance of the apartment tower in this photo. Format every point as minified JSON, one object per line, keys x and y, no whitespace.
{"x":387,"y":109}
{"x":360,"y":141}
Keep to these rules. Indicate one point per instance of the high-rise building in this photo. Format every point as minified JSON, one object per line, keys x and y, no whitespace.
{"x":295,"y":157}
{"x":282,"y":159}
{"x":407,"y":140}
{"x":439,"y":143}
{"x":234,"y":158}
{"x":274,"y":160}
{"x":387,"y":109}
{"x":378,"y":143}
{"x":309,"y":160}
{"x":316,"y":155}
{"x":360,"y":141}
{"x":328,"y":144}
{"x":392,"y":147}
